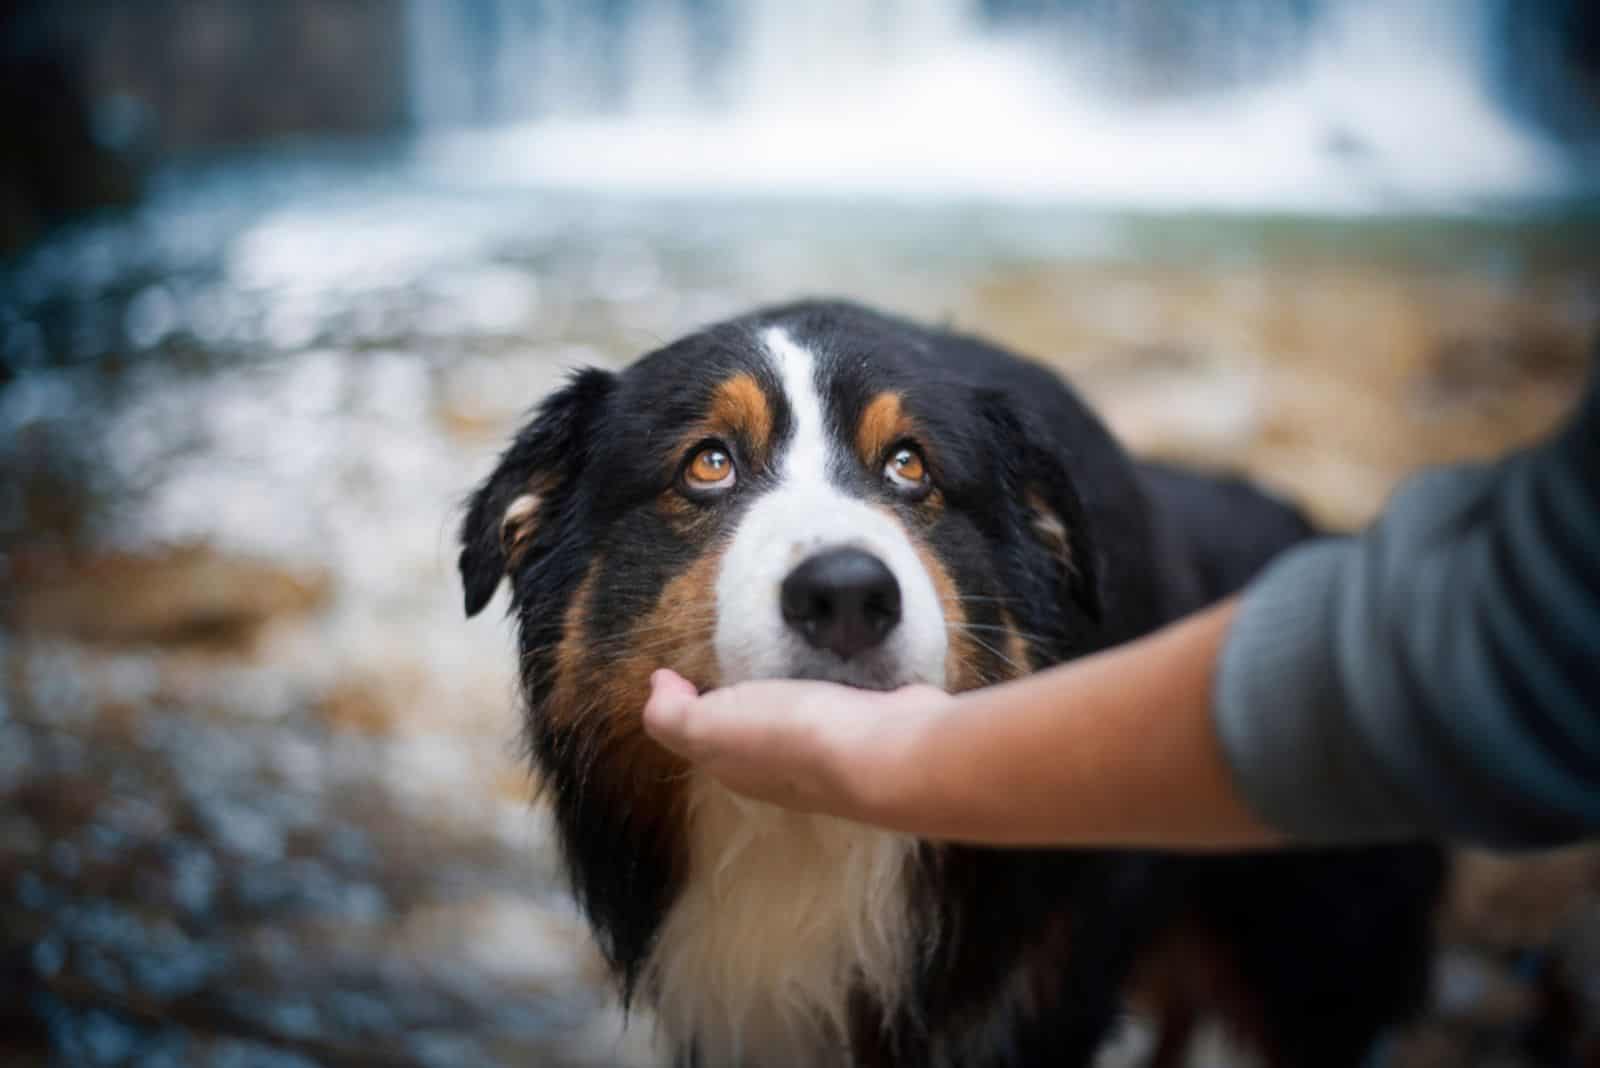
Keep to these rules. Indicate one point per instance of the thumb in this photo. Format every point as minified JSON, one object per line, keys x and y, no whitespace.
{"x":666,"y":713}
{"x":729,"y":722}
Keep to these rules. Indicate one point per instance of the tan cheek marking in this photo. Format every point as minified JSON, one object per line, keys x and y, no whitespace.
{"x":961,"y":668}
{"x":611,"y":683}
{"x":1007,"y":654}
{"x":1016,"y":647}
{"x":599,"y":696}
{"x":564,"y":706}
{"x":961,"y":655}
{"x":683,"y":624}
{"x":882,"y":424}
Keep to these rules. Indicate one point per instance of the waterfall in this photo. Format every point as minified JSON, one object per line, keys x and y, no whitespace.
{"x":1255,"y":104}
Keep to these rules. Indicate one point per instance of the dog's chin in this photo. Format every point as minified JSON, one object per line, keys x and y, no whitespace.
{"x":887,"y":667}
{"x":866,"y":673}
{"x":855,"y":680}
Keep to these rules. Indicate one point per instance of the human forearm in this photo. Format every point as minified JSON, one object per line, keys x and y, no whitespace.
{"x":1117,"y":748}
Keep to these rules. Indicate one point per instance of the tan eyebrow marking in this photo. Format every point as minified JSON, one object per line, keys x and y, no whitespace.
{"x":741,"y":404}
{"x":883,"y":422}
{"x":738,"y":409}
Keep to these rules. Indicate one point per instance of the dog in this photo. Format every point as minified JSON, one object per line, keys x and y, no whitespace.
{"x":821,"y":491}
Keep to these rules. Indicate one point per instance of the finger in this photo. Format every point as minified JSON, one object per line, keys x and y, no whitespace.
{"x":734,"y":720}
{"x":667,"y":710}
{"x":669,"y":684}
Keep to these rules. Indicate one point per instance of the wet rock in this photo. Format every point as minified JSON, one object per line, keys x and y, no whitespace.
{"x":184,"y":594}
{"x":1475,"y":988}
{"x":443,"y":1050}
{"x":244,"y":830}
{"x":361,"y":705}
{"x":15,"y":758}
{"x":511,"y":939}
{"x":349,"y":846}
{"x":360,"y":1014}
{"x":19,"y":836}
{"x":305,"y":888}
{"x":255,"y":1055}
{"x":96,"y":1037}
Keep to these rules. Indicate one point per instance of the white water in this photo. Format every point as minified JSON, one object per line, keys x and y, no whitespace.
{"x":1374,"y":105}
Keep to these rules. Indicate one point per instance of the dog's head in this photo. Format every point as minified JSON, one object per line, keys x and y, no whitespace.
{"x":815,"y":492}
{"x":806,"y":493}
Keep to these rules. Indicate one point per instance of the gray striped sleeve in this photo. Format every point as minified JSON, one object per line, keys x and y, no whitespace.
{"x":1439,"y":674}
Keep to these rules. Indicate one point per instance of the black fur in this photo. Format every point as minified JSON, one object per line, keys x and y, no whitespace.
{"x":1333,"y":945}
{"x":549,"y":452}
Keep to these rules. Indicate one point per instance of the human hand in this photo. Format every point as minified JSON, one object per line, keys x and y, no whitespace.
{"x":811,"y":746}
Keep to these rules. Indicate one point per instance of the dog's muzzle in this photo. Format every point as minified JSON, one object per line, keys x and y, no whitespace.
{"x":844,"y":600}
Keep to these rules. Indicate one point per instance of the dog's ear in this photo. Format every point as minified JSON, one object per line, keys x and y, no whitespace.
{"x":1037,"y":478}
{"x":528,"y":483}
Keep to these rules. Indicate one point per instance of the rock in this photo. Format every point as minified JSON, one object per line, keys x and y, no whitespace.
{"x":191,"y":593}
{"x":357,"y":705}
{"x":1474,"y":988}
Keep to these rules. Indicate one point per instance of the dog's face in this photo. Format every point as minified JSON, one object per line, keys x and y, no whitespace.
{"x":780,"y":498}
{"x":815,"y":492}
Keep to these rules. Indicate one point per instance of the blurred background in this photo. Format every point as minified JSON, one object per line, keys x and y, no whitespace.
{"x":277,"y":279}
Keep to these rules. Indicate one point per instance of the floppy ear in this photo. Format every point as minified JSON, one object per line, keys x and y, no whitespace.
{"x":527,"y":484}
{"x":1037,"y":478}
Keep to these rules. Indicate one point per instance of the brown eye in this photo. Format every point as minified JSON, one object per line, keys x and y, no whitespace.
{"x":907,"y":473}
{"x":710,"y":468}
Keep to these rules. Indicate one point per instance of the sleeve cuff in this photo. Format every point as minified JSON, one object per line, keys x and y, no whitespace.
{"x":1280,"y":706}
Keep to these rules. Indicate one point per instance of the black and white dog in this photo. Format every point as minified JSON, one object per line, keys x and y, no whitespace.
{"x":820,"y":491}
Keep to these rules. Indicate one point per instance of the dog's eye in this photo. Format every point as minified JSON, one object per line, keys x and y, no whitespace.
{"x":907,"y":473}
{"x":710,"y":469}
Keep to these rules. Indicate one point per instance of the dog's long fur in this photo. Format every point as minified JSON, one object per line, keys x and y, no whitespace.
{"x":765,"y":938}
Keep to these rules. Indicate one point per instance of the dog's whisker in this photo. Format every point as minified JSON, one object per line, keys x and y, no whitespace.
{"x":997,"y":653}
{"x":1027,"y":636}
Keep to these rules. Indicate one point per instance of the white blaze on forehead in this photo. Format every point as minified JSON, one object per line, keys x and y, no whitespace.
{"x":804,"y":514}
{"x":805,"y":460}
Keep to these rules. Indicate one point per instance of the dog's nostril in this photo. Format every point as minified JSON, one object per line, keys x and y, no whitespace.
{"x":844,"y":600}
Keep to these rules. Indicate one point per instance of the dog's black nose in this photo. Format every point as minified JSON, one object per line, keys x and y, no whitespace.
{"x":845,"y":600}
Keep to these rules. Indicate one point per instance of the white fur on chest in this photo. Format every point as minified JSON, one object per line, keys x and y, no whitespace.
{"x":781,"y":917}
